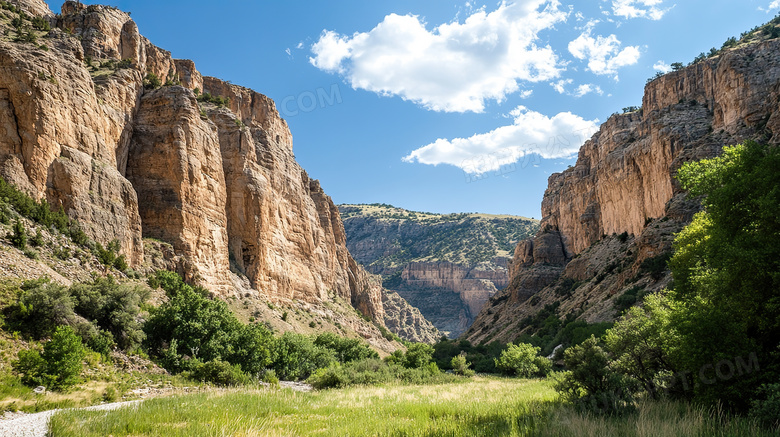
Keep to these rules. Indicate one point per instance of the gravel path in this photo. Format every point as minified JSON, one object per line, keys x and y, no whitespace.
{"x":36,"y":425}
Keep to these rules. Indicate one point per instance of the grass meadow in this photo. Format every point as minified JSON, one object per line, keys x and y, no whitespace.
{"x":483,"y":406}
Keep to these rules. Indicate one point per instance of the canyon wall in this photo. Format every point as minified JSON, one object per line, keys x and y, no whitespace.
{"x":83,"y":125}
{"x":609,"y":217}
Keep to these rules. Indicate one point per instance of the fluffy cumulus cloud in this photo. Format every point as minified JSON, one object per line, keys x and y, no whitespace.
{"x":454,"y":67}
{"x":531,"y":134}
{"x":603,"y":54}
{"x":651,"y":9}
{"x":587,"y":88}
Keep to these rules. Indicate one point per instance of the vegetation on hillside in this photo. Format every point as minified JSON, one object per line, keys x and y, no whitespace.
{"x":713,"y":338}
{"x":461,"y":238}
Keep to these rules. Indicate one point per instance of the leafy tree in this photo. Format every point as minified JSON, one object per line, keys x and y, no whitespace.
{"x":295,"y":356}
{"x":345,"y":349}
{"x":41,"y":307}
{"x":60,"y":364}
{"x":677,"y":66}
{"x":114,"y":308}
{"x":192,"y":326}
{"x":726,"y":268}
{"x":418,"y":355}
{"x":642,"y":342}
{"x":591,"y":384}
{"x":460,"y":366}
{"x":523,"y":360}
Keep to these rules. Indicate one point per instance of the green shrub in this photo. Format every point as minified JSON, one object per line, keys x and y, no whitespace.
{"x":296,"y":357}
{"x":219,"y":372}
{"x":41,"y":24}
{"x":523,"y":360}
{"x":40,"y":308}
{"x":29,"y":365}
{"x":766,"y":409}
{"x":120,"y":263}
{"x":114,"y":307}
{"x":460,"y":366}
{"x":60,"y":364}
{"x":152,"y":82}
{"x":418,"y":355}
{"x":345,"y":349}
{"x":192,"y":326}
{"x":37,"y":239}
{"x":31,"y":253}
{"x":19,"y":236}
{"x":591,"y":384}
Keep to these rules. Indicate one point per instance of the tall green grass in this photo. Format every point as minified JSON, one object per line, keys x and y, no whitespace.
{"x":479,"y":407}
{"x":486,"y":406}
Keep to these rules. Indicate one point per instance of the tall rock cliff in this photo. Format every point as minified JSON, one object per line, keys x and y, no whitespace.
{"x":608,"y":222}
{"x":85,"y":124}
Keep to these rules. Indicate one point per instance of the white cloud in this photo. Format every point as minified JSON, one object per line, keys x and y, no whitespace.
{"x":650,"y":9}
{"x":560,"y":86}
{"x":587,"y":89}
{"x":663,"y":67}
{"x":454,"y":67}
{"x":531,"y":133}
{"x":299,"y":46}
{"x":603,"y":54}
{"x":525,"y":94}
{"x":772,"y":6}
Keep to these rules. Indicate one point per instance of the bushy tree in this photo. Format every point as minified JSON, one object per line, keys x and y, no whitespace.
{"x":523,"y":360}
{"x":41,"y":307}
{"x":643,"y":343}
{"x":295,"y":356}
{"x":590,"y":382}
{"x":60,"y":364}
{"x":192,"y":326}
{"x":726,"y":268}
{"x":19,"y":236}
{"x":460,"y":366}
{"x":114,"y":308}
{"x":345,"y":349}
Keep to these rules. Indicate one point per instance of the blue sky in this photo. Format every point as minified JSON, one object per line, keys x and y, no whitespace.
{"x":442,"y":106}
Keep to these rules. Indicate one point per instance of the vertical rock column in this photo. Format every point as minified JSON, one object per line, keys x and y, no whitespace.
{"x":175,"y":166}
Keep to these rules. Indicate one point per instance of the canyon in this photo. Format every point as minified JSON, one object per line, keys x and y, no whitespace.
{"x":446,"y":265}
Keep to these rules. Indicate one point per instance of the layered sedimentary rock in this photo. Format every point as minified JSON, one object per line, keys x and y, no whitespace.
{"x":449,"y":294}
{"x":623,"y":183}
{"x":82,"y":125}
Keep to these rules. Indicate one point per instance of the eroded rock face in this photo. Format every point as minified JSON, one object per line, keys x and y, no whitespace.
{"x":449,"y":294}
{"x":175,"y":167}
{"x":406,"y":321}
{"x":218,"y":187}
{"x":623,"y":183}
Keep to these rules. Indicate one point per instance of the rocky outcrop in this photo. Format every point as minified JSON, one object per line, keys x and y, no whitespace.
{"x":217,"y":188}
{"x":406,"y":321}
{"x":623,"y":183}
